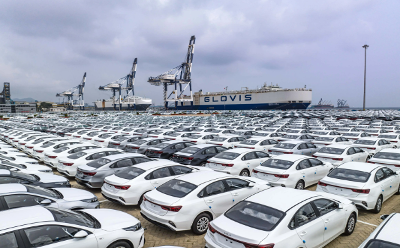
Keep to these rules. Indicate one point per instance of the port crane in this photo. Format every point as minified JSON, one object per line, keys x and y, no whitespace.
{"x":180,"y":75}
{"x":75,"y":91}
{"x":118,"y":86}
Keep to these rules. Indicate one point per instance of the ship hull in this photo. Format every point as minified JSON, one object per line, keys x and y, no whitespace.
{"x":260,"y":106}
{"x":141,"y":105}
{"x":138,"y":107}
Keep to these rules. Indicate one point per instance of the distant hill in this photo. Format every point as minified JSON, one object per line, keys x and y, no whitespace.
{"x":23,"y":99}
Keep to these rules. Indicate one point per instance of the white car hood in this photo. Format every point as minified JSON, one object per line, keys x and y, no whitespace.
{"x":111,"y":220}
{"x":49,"y":178}
{"x":72,"y":194}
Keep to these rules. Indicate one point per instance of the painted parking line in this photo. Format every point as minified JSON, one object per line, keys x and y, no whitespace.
{"x":366,"y":223}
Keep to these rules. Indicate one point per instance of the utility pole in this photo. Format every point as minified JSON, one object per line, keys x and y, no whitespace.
{"x":365,"y":73}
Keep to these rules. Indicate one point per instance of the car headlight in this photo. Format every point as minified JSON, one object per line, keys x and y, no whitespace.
{"x":134,"y":228}
{"x":46,"y":171}
{"x":91,"y":200}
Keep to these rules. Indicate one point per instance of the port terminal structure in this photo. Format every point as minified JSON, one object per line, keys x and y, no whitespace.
{"x":118,"y":86}
{"x":178,"y":77}
{"x":76,"y":91}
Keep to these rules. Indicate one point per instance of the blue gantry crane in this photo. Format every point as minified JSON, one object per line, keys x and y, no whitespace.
{"x":76,"y":91}
{"x":180,"y":75}
{"x":118,"y":86}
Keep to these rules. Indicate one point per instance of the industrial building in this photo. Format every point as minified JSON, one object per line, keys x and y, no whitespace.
{"x":9,"y":106}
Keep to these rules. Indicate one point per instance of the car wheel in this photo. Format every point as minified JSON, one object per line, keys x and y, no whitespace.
{"x":200,"y":224}
{"x":351,"y":224}
{"x":378,"y":205}
{"x":141,"y":200}
{"x":170,"y":157}
{"x":300,"y":185}
{"x":398,"y":191}
{"x":119,"y":244}
{"x":244,"y":173}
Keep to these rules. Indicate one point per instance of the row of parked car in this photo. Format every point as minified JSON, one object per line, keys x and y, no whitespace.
{"x":240,"y":194}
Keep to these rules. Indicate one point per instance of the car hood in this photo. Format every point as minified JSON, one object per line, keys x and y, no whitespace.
{"x":72,"y":194}
{"x":48,"y":178}
{"x":235,"y":230}
{"x":112,"y":220}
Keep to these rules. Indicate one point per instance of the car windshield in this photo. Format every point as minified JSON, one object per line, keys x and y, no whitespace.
{"x":92,"y":134}
{"x":349,"y":175}
{"x":227,"y":155}
{"x":98,"y":162}
{"x":162,"y":145}
{"x":331,"y":150}
{"x":130,"y":173}
{"x":255,"y":215}
{"x":365,"y":142}
{"x":293,"y":131}
{"x":21,"y":166}
{"x":324,"y":139}
{"x":285,"y":146}
{"x":176,"y":188}
{"x":120,"y":138}
{"x":76,"y":155}
{"x":387,"y":136}
{"x":75,"y":218}
{"x":219,"y":139}
{"x":61,"y":149}
{"x":139,"y":142}
{"x":376,"y":243}
{"x":25,"y":176}
{"x":387,"y":155}
{"x":42,"y":191}
{"x":105,"y":136}
{"x":249,"y":142}
{"x":278,"y":164}
{"x":190,"y":150}
{"x":47,"y":144}
{"x":195,"y":136}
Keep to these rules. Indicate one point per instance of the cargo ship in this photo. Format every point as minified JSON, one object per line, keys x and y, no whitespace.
{"x":128,"y":103}
{"x":266,"y":97}
{"x":322,"y":105}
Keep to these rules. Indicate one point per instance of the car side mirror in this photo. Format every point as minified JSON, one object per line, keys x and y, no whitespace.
{"x":81,"y":234}
{"x":251,"y":185}
{"x":340,"y":205}
{"x":383,"y":217}
{"x":45,"y":202}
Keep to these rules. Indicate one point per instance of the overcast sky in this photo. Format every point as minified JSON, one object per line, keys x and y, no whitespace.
{"x":47,"y":45}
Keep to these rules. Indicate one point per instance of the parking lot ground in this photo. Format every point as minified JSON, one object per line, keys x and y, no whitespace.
{"x":156,"y":236}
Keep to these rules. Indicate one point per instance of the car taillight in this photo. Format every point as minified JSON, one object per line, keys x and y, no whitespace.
{"x":100,"y":140}
{"x":116,"y":144}
{"x":361,"y":191}
{"x":29,"y":147}
{"x":159,"y":152}
{"x":370,"y":162}
{"x":281,"y":176}
{"x":77,"y":136}
{"x":211,"y":228}
{"x":172,"y":209}
{"x":269,"y":150}
{"x":337,"y":159}
{"x":287,"y":152}
{"x":38,"y":151}
{"x":188,"y":158}
{"x":89,"y":173}
{"x":23,"y":144}
{"x":68,"y":164}
{"x":122,"y":187}
{"x":69,"y":134}
{"x":255,"y":171}
{"x":88,"y":138}
{"x":193,"y":141}
{"x":322,"y":184}
{"x":52,"y":156}
{"x":134,"y":147}
{"x":259,"y":246}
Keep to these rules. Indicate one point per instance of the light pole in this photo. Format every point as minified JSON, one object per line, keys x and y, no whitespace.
{"x":365,"y":73}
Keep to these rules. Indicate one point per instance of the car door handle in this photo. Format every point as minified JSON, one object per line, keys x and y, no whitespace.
{"x":327,"y":220}
{"x":210,"y":201}
{"x":303,"y":233}
{"x":155,"y":182}
{"x":235,"y":194}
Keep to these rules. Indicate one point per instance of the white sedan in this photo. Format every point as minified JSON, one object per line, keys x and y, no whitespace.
{"x":387,"y":157}
{"x":258,"y":143}
{"x":191,"y":201}
{"x":283,"y":218}
{"x":227,"y":141}
{"x":339,"y":154}
{"x":367,"y":185}
{"x":38,"y":153}
{"x":292,"y":171}
{"x":331,"y":140}
{"x":373,"y":145}
{"x":25,"y":168}
{"x":238,"y":161}
{"x":88,"y":228}
{"x":129,"y":185}
{"x":51,"y":157}
{"x":386,"y":235}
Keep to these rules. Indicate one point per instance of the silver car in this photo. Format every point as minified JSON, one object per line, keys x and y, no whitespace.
{"x":15,"y":195}
{"x":140,"y":146}
{"x":294,"y":147}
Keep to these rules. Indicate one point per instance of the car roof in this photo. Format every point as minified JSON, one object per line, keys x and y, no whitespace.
{"x":291,"y":157}
{"x":360,"y":166}
{"x":12,"y":187}
{"x":203,"y":145}
{"x":123,"y":155}
{"x":339,"y":146}
{"x":389,"y":232}
{"x":295,"y":141}
{"x":23,"y":216}
{"x":155,"y":164}
{"x":281,"y":198}
{"x":240,"y":150}
{"x":202,"y":177}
